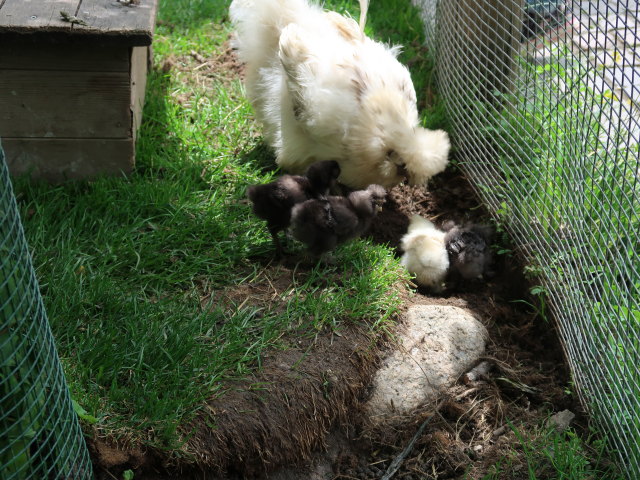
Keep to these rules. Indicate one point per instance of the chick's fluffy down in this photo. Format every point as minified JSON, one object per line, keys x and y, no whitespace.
{"x":469,"y":248}
{"x":425,"y":253}
{"x":324,"y":90}
{"x":322,"y":224}
{"x":273,"y":201}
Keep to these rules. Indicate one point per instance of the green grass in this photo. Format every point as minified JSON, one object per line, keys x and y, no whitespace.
{"x":125,"y":264}
{"x":544,"y":453}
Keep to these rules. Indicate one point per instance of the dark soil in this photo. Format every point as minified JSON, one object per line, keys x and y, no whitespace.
{"x":223,"y":67}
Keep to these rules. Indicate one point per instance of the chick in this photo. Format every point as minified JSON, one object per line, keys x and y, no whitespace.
{"x":273,"y":201}
{"x":469,"y":249}
{"x":425,"y":254}
{"x":322,"y":224}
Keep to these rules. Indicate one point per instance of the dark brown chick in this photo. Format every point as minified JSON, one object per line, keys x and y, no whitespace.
{"x":273,"y":201}
{"x":469,"y":249}
{"x":322,"y":224}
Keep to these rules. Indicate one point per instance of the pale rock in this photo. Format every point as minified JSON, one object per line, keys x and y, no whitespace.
{"x":561,"y":420}
{"x":436,"y":346}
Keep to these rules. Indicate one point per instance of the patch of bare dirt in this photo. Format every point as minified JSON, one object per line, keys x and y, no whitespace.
{"x":467,"y":432}
{"x":281,"y":415}
{"x":277,"y":417}
{"x":223,"y":66}
{"x":269,"y":289}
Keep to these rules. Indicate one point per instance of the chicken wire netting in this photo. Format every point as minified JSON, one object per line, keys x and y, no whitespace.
{"x":40,"y":437}
{"x":543,"y":99}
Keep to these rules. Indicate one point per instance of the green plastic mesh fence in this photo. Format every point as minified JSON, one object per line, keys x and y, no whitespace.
{"x":544,"y":102}
{"x":40,"y":437}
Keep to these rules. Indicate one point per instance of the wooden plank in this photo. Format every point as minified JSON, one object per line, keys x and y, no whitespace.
{"x":115,"y":18}
{"x":65,"y":104}
{"x":26,"y":15}
{"x":59,"y":160}
{"x":67,"y":56}
{"x":139,"y":66}
{"x":106,"y":21}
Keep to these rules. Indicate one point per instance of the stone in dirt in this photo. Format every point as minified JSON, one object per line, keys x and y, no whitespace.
{"x":561,"y":420}
{"x":437,"y":345}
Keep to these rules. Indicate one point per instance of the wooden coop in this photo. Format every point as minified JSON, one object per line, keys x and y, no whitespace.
{"x":72,"y":84}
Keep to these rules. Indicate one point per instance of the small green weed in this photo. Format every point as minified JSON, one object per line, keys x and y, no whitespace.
{"x":545,"y":453}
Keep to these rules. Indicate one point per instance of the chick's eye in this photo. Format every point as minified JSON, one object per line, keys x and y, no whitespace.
{"x":390,"y":153}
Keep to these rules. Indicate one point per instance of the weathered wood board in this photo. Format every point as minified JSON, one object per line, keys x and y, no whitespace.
{"x":115,"y":18}
{"x":28,"y":15}
{"x":140,"y":63}
{"x":63,"y":104}
{"x":72,"y":94}
{"x":67,"y":56}
{"x":105,"y":19}
{"x":57,"y":160}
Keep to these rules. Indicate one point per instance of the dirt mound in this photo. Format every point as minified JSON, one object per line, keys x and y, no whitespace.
{"x":275,"y":418}
{"x":281,"y":415}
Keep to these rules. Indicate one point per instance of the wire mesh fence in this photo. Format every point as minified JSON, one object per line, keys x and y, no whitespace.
{"x":40,"y":437}
{"x":544,"y":102}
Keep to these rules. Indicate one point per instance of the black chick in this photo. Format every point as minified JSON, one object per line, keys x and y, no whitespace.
{"x":273,"y":201}
{"x":469,"y":249}
{"x":322,"y":224}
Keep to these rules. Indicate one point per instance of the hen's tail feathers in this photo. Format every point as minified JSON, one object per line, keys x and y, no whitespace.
{"x":364,"y":7}
{"x":293,"y":49}
{"x":427,"y":155}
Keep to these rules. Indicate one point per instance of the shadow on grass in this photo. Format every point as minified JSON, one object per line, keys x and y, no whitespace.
{"x":262,"y":157}
{"x":159,"y":150}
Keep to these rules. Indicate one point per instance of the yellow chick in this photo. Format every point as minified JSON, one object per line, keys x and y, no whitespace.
{"x":425,"y":254}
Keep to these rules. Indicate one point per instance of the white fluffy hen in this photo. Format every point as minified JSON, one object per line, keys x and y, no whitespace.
{"x":323,"y":91}
{"x":425,"y":253}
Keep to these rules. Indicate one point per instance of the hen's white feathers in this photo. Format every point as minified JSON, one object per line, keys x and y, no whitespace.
{"x":364,"y":7}
{"x":323,"y":90}
{"x":425,"y":254}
